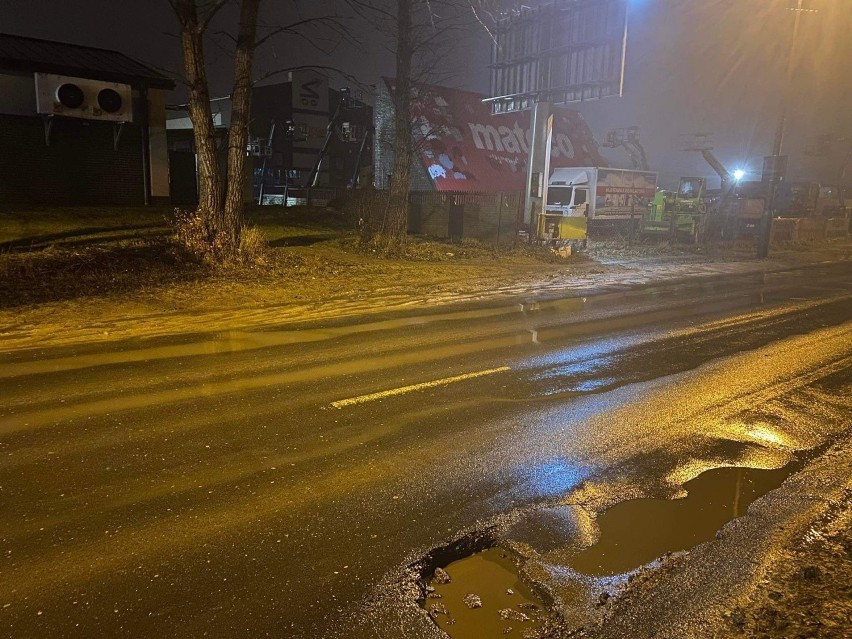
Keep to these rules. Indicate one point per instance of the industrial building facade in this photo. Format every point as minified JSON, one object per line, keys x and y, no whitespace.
{"x":293,"y":125}
{"x":80,"y":126}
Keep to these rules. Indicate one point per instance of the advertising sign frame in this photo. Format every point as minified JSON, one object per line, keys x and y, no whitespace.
{"x":561,"y":52}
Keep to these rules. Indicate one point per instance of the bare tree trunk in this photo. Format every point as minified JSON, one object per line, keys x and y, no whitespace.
{"x":396,"y":223}
{"x":239,"y":131}
{"x":209,"y":177}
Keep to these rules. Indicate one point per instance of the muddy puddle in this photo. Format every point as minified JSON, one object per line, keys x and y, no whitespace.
{"x":483,"y":596}
{"x":638,"y":531}
{"x":481,"y":593}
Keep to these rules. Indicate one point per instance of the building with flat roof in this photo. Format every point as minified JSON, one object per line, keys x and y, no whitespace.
{"x":80,"y":125}
{"x":293,"y":125}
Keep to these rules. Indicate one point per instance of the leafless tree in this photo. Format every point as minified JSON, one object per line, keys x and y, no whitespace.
{"x":194,"y":21}
{"x":221,"y":194}
{"x":425,"y":33}
{"x":420,"y":29}
{"x":220,"y":197}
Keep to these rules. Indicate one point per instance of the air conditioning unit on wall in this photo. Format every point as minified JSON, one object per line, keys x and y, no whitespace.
{"x":83,"y":98}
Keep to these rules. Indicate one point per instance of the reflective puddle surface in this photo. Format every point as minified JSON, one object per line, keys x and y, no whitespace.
{"x":638,"y":531}
{"x":483,"y":596}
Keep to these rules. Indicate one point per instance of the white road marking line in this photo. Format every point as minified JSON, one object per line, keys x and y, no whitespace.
{"x":361,"y":399}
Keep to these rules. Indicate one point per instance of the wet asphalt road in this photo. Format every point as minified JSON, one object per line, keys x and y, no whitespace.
{"x":253,"y":484}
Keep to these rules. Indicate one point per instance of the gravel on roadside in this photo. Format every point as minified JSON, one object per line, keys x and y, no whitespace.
{"x":807,"y":592}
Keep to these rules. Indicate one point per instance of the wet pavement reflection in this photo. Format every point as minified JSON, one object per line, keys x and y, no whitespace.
{"x":202,"y":485}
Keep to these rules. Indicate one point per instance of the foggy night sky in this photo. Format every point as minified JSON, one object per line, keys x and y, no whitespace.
{"x":709,"y":66}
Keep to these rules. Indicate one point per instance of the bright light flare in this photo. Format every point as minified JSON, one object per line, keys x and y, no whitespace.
{"x":739,"y":174}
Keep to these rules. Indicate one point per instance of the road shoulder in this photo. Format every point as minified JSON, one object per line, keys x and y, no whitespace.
{"x":780,"y":571}
{"x":217,"y":306}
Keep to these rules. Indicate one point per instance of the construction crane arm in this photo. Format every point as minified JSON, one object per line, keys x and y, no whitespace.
{"x":637,"y":155}
{"x":713,"y":161}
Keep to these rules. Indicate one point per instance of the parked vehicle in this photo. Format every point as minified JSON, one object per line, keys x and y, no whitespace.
{"x":577,"y":196}
{"x":678,"y":214}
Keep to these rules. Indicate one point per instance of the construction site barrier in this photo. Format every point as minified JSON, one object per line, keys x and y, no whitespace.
{"x":784,"y":230}
{"x":808,"y":229}
{"x":313,"y":196}
{"x":836,"y":227}
{"x":811,"y":229}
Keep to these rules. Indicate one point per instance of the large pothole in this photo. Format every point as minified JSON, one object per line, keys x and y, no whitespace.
{"x":637,"y":531}
{"x":474,"y":589}
{"x":483,"y":595}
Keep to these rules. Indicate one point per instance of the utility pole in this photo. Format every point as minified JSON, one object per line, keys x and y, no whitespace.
{"x":775,"y":166}
{"x":841,"y":180}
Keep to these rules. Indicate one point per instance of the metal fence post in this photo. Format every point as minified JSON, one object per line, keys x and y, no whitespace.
{"x":632,"y":220}
{"x":673,"y":227}
{"x":519,"y":212}
{"x":499,"y":220}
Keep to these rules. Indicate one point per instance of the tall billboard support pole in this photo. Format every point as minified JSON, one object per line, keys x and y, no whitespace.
{"x":535,"y":63}
{"x":532,"y":187}
{"x":545,"y":172}
{"x":538,"y":168}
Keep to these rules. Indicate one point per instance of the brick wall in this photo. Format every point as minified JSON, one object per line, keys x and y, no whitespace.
{"x":79,"y":167}
{"x":383,"y":155}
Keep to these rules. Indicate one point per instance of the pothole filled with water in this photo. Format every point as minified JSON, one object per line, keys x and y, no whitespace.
{"x":478,"y":591}
{"x":637,"y":531}
{"x":481,"y":596}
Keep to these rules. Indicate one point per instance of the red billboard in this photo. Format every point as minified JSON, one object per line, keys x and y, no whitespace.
{"x":464,"y":147}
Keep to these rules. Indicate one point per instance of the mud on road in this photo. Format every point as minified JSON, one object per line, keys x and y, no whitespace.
{"x":807,"y":592}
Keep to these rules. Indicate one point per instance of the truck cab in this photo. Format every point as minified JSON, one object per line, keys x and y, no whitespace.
{"x":568,"y":193}
{"x":568,"y":200}
{"x":567,"y":207}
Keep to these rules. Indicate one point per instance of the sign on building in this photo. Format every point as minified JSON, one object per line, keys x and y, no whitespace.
{"x":310,"y":91}
{"x":310,"y":102}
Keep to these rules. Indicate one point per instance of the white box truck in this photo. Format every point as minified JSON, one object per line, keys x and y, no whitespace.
{"x":577,"y":195}
{"x":602,"y":193}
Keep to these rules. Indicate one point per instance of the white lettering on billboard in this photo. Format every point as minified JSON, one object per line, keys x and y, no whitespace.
{"x":516,"y":140}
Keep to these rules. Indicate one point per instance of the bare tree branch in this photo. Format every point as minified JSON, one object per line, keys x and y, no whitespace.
{"x":211,"y":12}
{"x":293,"y":28}
{"x":481,"y":21}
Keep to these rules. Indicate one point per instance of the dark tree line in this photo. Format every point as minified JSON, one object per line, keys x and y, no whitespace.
{"x":419,"y":30}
